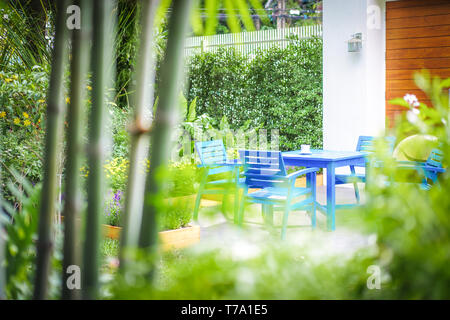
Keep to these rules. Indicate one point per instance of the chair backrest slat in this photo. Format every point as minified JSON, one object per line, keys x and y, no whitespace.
{"x":211,"y":152}
{"x":366,"y":144}
{"x":435,"y":158}
{"x":263,"y":168}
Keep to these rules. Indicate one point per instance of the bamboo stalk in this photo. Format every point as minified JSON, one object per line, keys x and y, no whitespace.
{"x":143,"y":98}
{"x":101,"y":75}
{"x":55,"y":108}
{"x":72,"y":205}
{"x":165,"y":120}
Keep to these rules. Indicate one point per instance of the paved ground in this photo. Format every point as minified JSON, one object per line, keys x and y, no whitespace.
{"x":216,"y":230}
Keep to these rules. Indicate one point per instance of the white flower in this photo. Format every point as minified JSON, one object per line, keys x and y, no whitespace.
{"x":412,"y":115}
{"x":412,"y":100}
{"x":6,"y":17}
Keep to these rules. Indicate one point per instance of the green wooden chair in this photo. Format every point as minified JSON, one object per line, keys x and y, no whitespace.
{"x":220,"y":175}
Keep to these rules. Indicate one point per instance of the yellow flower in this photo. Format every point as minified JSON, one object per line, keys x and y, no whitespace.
{"x":15,"y":77}
{"x":27,"y":123}
{"x":41,"y":101}
{"x":8,"y":80}
{"x":25,"y":115}
{"x":67,"y":100}
{"x":16,"y":121}
{"x":89,"y":88}
{"x":2,"y":114}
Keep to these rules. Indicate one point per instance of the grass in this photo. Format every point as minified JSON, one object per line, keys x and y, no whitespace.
{"x":110,"y":248}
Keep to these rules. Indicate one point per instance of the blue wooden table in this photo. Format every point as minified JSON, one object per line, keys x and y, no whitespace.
{"x":329,"y":160}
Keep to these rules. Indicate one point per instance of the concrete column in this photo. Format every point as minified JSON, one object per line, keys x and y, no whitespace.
{"x":353,"y":82}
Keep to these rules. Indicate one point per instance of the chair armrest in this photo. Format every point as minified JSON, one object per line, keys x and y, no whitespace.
{"x":411,"y":163}
{"x":435,"y":169}
{"x":296,"y":174}
{"x":419,"y":166}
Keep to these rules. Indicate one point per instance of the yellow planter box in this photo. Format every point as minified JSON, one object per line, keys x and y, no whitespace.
{"x":170,"y":239}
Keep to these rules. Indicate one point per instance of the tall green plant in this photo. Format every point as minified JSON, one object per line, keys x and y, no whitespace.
{"x":26,"y":28}
{"x":165,"y":119}
{"x":126,"y":47}
{"x":72,"y":208}
{"x":101,"y":76}
{"x":139,"y":143}
{"x":55,"y":112}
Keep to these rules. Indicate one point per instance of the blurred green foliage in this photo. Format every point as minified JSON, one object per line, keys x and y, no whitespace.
{"x":21,"y":233}
{"x":254,"y":270}
{"x":412,"y":224}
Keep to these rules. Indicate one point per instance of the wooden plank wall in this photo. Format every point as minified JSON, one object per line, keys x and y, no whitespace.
{"x":417,"y":37}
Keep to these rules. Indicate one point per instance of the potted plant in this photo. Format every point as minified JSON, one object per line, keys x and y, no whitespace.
{"x":176,"y":210}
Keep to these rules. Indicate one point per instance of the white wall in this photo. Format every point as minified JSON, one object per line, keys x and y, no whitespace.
{"x":353,"y":82}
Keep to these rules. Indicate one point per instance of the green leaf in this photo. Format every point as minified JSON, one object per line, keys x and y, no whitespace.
{"x":196,"y":19}
{"x":211,"y":10}
{"x":183,"y":107}
{"x":232,"y":21}
{"x":245,"y":15}
{"x":192,"y":112}
{"x":256,"y":4}
{"x":224,"y":125}
{"x":445,"y":83}
{"x":155,"y":106}
{"x":400,"y":102}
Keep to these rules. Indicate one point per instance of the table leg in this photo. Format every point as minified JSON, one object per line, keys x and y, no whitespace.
{"x":331,"y":197}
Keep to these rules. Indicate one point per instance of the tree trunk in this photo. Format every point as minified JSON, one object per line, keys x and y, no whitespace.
{"x":281,"y":20}
{"x":55,"y":111}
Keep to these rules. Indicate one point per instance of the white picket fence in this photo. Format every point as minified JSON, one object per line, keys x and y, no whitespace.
{"x":248,"y":42}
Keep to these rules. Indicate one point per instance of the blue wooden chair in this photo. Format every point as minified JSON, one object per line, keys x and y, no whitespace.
{"x":365,"y":144}
{"x":220,"y":175}
{"x":428,"y":170}
{"x":265,"y":170}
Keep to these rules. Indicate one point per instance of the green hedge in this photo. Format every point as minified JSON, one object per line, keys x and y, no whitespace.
{"x":275,"y":89}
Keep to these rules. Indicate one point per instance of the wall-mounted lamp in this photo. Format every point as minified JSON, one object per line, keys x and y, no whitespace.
{"x":355,"y":43}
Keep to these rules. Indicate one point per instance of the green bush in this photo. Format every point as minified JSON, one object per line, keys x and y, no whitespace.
{"x":22,"y":112}
{"x":277,"y":89}
{"x":176,"y":214}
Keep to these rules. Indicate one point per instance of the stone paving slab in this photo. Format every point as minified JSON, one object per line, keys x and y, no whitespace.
{"x":218,"y":231}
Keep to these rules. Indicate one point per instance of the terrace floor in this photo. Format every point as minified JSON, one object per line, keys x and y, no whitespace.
{"x":217,"y":231}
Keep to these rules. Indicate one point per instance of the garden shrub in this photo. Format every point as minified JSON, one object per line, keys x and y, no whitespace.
{"x":276,"y":89}
{"x":177,"y":213}
{"x":22,"y":112}
{"x":182,"y":181}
